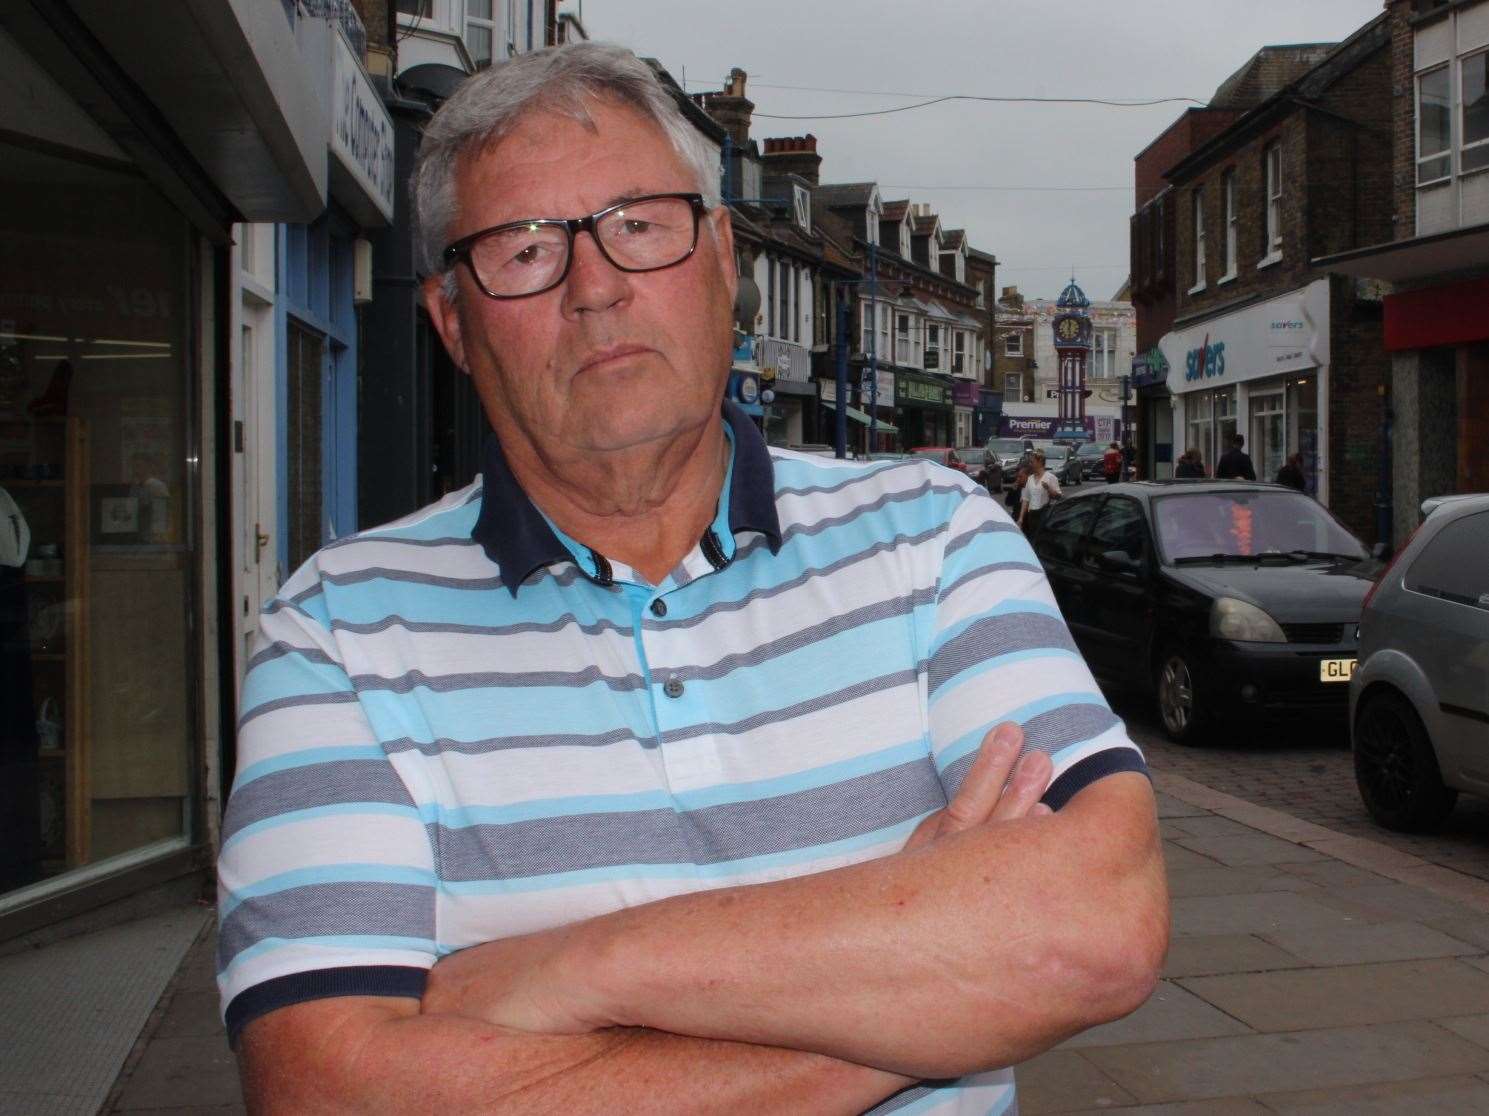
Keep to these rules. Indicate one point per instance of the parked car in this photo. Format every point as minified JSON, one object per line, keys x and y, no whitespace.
{"x":942,"y":455}
{"x":1419,"y":702}
{"x":1059,"y":460}
{"x":1217,"y":597}
{"x":1090,"y":455}
{"x":1010,"y":453}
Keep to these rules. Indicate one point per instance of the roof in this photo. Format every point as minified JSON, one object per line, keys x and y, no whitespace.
{"x":955,"y":238}
{"x":896,"y":210}
{"x":1268,"y":71}
{"x":924,"y":226}
{"x":840,"y":194}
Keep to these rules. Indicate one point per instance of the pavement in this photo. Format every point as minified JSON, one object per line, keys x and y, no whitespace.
{"x":1311,"y":971}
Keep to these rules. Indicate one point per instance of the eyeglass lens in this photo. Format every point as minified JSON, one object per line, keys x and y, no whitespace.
{"x":640,"y":236}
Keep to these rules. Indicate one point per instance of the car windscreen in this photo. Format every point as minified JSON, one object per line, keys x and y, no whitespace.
{"x":1241,"y":524}
{"x":1090,"y":449}
{"x":1006,"y":446}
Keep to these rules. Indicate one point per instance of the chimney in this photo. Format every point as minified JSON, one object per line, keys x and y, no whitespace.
{"x":1012,"y":297}
{"x":730,"y":108}
{"x":793,"y":155}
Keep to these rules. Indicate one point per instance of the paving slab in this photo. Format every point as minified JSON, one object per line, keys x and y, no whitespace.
{"x":1062,"y":1081}
{"x":1178,"y":858}
{"x":1452,"y":1096}
{"x":1216,"y":1106}
{"x":1219,"y":880}
{"x":1211,"y":954}
{"x":1243,"y":1065}
{"x":1210,"y":825}
{"x":1170,"y":1013}
{"x":1467,"y":928}
{"x":1256,"y":848}
{"x":1171,"y":807}
{"x":1333,"y":873}
{"x":1258,"y":913}
{"x":183,"y":1073}
{"x":1390,"y":902}
{"x":1475,"y":1028}
{"x":1346,"y":995}
{"x":1364,"y":943}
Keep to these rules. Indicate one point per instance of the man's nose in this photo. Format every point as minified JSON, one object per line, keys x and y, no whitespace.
{"x":593,"y":283}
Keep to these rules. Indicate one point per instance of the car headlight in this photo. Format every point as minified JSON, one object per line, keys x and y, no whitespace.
{"x":1243,"y":622}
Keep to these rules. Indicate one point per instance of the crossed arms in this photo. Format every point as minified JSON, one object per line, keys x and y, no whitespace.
{"x":999,"y":930}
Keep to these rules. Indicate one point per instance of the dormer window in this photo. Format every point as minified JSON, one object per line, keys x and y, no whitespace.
{"x":905,"y":239}
{"x":801,"y":207}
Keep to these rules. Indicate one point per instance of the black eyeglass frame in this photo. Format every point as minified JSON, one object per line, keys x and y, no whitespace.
{"x":459,"y":251}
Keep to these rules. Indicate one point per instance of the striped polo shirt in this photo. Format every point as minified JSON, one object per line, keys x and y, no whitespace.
{"x":465,"y":725}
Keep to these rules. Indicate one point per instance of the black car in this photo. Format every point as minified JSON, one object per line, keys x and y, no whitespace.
{"x":1218,"y":597}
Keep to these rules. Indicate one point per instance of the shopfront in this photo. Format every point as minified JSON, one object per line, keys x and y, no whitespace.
{"x":1261,"y":372}
{"x":115,"y":692}
{"x":1154,"y":437}
{"x":964,"y":400}
{"x":924,"y":410}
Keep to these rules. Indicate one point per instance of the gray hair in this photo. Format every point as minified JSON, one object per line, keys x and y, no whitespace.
{"x":565,"y":80}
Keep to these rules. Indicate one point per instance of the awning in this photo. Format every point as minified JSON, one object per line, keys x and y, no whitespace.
{"x":858,"y":416}
{"x":1420,"y":257}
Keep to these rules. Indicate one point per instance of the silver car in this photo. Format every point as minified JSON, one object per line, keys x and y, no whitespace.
{"x":1419,"y":698}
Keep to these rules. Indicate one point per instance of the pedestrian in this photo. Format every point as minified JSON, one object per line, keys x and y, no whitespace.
{"x":1129,"y":458}
{"x":1191,"y":464}
{"x":1291,"y":473}
{"x":990,"y":476}
{"x":1039,"y":491}
{"x":587,"y":787}
{"x":1016,"y":490}
{"x":1111,"y":463}
{"x":1235,"y":463}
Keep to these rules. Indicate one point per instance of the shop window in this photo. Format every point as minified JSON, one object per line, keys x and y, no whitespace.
{"x":1434,"y":126}
{"x":98,"y":675}
{"x":1268,"y":443}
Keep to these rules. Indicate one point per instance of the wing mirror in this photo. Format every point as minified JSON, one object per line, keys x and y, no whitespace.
{"x":1119,"y":561}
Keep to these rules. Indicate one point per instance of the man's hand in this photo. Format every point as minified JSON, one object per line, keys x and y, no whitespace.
{"x":998,"y":787}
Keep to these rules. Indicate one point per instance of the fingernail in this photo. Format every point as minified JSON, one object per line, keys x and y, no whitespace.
{"x":1008,"y":736}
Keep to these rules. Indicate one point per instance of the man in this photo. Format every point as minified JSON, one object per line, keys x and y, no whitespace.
{"x":1111,"y":463}
{"x":1291,"y":473}
{"x":1040,"y":488}
{"x":1235,"y":463}
{"x":657,"y":771}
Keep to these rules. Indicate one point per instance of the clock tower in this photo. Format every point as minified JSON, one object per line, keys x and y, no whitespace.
{"x":1072,"y":329}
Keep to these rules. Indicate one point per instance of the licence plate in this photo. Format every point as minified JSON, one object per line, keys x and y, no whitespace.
{"x":1336,"y":670}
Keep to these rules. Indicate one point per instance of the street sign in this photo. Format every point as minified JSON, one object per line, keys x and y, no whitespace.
{"x":1052,"y":393}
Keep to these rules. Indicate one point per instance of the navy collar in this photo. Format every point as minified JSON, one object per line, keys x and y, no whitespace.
{"x":516,"y":536}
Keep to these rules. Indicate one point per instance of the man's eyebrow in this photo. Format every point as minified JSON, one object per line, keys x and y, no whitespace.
{"x":628,"y":195}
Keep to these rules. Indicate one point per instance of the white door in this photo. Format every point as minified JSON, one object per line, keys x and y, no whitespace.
{"x":256,"y":575}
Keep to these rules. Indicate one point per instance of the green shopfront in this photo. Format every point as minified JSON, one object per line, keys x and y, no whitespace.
{"x":923,"y":410}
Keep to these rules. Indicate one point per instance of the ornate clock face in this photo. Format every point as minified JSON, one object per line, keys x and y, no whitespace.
{"x":1068,"y":330}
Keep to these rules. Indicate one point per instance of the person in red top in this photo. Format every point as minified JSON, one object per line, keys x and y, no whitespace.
{"x":1111,"y":463}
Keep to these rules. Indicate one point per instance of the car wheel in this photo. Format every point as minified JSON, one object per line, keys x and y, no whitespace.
{"x":1396,"y":768}
{"x":1179,"y":707}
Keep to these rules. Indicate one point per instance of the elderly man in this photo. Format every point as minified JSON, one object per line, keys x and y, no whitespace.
{"x":659,"y":771}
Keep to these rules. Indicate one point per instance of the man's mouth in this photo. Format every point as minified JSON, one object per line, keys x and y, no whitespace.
{"x":598,"y":359}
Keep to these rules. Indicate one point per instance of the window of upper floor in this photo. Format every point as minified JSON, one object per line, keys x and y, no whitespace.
{"x":801,"y":207}
{"x":1228,"y":193}
{"x":1013,"y":344}
{"x":1451,"y":64}
{"x":1272,"y":216}
{"x":1197,"y":223}
{"x":905,"y":238}
{"x":1103,"y":364}
{"x":480,"y":31}
{"x":1013,"y":384}
{"x":872,"y":215}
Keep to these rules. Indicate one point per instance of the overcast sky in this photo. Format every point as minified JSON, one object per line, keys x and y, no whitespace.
{"x":1132,"y":50}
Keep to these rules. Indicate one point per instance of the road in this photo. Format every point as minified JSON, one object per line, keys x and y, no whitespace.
{"x":1309,"y":775}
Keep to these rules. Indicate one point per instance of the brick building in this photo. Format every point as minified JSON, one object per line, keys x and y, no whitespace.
{"x":1436,"y":258}
{"x":1014,"y":364}
{"x":1264,"y":342}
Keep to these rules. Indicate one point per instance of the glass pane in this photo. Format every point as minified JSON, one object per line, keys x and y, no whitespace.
{"x":96,"y":683}
{"x":1433,"y":169}
{"x":1452,"y":566}
{"x":1474,"y":158}
{"x":1475,"y":98}
{"x":1434,"y":117}
{"x":1120,"y":527}
{"x":478,"y":42}
{"x":478,"y":9}
{"x":416,"y":7}
{"x":1302,"y":417}
{"x":306,"y":473}
{"x":1203,"y":524}
{"x":1064,"y":528}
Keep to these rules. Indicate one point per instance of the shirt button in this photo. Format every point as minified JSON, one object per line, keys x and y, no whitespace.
{"x":672,"y":688}
{"x":659,"y":608}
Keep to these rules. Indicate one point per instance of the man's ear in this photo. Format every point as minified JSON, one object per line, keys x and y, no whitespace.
{"x":724,"y":233}
{"x":445,"y":314}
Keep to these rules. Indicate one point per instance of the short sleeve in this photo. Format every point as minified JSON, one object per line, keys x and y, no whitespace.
{"x":326,"y":881}
{"x":1001,"y":651}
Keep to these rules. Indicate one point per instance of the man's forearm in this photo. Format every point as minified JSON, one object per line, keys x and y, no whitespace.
{"x":977,"y":951}
{"x":431,"y":1063}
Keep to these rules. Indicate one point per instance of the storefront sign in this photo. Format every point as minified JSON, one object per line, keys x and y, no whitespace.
{"x":791,"y":362}
{"x":361,"y":130}
{"x":1150,"y":368}
{"x":922,"y":392}
{"x":964,"y":393}
{"x":1286,"y":334}
{"x":885,"y":396}
{"x":1041,"y":427}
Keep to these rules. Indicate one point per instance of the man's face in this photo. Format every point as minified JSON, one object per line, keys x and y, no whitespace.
{"x":608,"y":359}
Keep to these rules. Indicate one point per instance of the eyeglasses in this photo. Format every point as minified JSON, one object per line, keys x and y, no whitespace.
{"x":524,"y":258}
